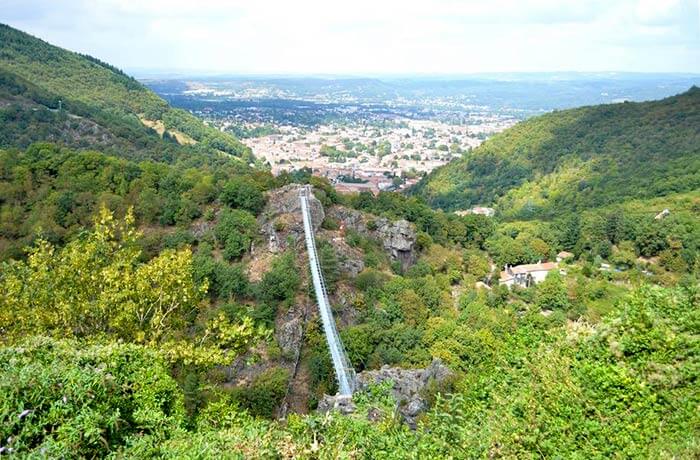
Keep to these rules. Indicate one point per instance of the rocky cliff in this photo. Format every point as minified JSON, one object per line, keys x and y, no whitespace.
{"x":281,"y":222}
{"x":409,"y":388}
{"x":397,"y":237}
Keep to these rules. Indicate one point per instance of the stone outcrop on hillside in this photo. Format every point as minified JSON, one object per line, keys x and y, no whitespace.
{"x":408,"y":389}
{"x":397,"y":237}
{"x":350,"y":218}
{"x":289,"y":330}
{"x":281,"y":221}
{"x":341,"y":403}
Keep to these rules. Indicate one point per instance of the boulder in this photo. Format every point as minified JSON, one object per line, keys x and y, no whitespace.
{"x":397,"y":237}
{"x":289,"y":331}
{"x":349,"y":218}
{"x":342,"y":404}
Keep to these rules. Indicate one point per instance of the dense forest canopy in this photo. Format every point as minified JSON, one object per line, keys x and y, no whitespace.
{"x":572,"y":160}
{"x":100,"y":106}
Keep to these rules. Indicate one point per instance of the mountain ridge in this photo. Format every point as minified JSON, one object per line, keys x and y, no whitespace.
{"x":40,"y":81}
{"x":606,"y":153}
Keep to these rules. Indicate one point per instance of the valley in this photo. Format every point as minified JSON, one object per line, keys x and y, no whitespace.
{"x":386,"y":133}
{"x":346,"y":268}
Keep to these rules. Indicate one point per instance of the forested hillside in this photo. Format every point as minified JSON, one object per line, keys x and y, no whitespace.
{"x":571,"y":160}
{"x":48,"y":93}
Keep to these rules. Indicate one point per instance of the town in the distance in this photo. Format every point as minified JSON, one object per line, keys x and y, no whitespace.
{"x":385,"y":134}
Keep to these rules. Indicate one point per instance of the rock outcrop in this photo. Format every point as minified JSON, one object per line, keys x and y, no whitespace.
{"x":350,"y":218}
{"x":342,"y":404}
{"x":408,"y":389}
{"x":289,"y":330}
{"x":408,"y":386}
{"x":281,"y":221}
{"x":397,"y":237}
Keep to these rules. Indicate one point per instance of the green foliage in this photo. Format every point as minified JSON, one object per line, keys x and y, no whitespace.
{"x":243,"y":193}
{"x":100,"y":106}
{"x":264,"y":394}
{"x":440,"y":227}
{"x":62,"y":398}
{"x":53,"y":192}
{"x":526,"y":388}
{"x":329,"y":264}
{"x":370,"y":279}
{"x":225,"y":281}
{"x":235,"y":232}
{"x":617,"y":379}
{"x":476,"y":264}
{"x":336,"y":155}
{"x":97,"y":286}
{"x":281,"y":282}
{"x":552,"y":293}
{"x":578,"y":159}
{"x":522,"y":249}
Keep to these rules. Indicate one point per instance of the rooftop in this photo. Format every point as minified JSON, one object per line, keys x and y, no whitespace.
{"x":527,"y":268}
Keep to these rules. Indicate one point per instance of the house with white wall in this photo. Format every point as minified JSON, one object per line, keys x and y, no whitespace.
{"x":527,"y":274}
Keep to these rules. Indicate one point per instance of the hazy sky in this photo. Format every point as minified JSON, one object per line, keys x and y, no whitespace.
{"x":372,"y":36}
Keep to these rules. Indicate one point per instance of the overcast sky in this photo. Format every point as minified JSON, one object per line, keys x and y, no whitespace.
{"x":371,"y":36}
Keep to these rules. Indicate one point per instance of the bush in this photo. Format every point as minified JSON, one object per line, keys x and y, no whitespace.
{"x":235,"y":232}
{"x":281,"y":282}
{"x":330,"y":223}
{"x":370,"y":279}
{"x":264,"y":393}
{"x":243,"y":193}
{"x":552,"y":293}
{"x":62,"y":397}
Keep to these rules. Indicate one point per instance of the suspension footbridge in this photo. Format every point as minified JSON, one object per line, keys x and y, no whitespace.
{"x":344,"y":372}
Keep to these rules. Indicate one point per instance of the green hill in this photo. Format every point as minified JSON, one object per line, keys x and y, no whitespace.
{"x":571,"y":160}
{"x":48,"y":93}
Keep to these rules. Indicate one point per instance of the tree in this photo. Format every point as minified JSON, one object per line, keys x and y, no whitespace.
{"x":650,"y":238}
{"x":476,"y":264}
{"x":235,"y":232}
{"x":243,"y":193}
{"x":624,"y":256}
{"x":551,"y":293}
{"x":97,"y":285}
{"x":281,"y":282}
{"x":329,"y":264}
{"x":83,"y":400}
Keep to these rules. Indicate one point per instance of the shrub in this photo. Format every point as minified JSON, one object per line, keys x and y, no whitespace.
{"x":62,"y":397}
{"x":552,"y":294}
{"x":235,"y":232}
{"x":330,"y":223}
{"x":370,"y":279}
{"x":281,"y":282}
{"x":264,"y":393}
{"x":243,"y":193}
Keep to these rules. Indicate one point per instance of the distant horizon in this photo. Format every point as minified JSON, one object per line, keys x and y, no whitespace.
{"x":326,"y":37}
{"x":146,"y":73}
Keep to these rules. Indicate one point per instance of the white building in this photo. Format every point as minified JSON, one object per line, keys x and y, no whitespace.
{"x":527,"y":274}
{"x":489,"y":212}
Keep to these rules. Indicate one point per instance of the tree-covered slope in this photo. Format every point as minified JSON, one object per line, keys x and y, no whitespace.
{"x":575,"y":159}
{"x":99,"y":106}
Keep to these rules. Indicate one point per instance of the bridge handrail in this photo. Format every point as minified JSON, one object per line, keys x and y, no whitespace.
{"x":345,"y":373}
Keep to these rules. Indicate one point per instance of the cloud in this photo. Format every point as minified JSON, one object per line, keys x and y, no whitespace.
{"x":371,"y":36}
